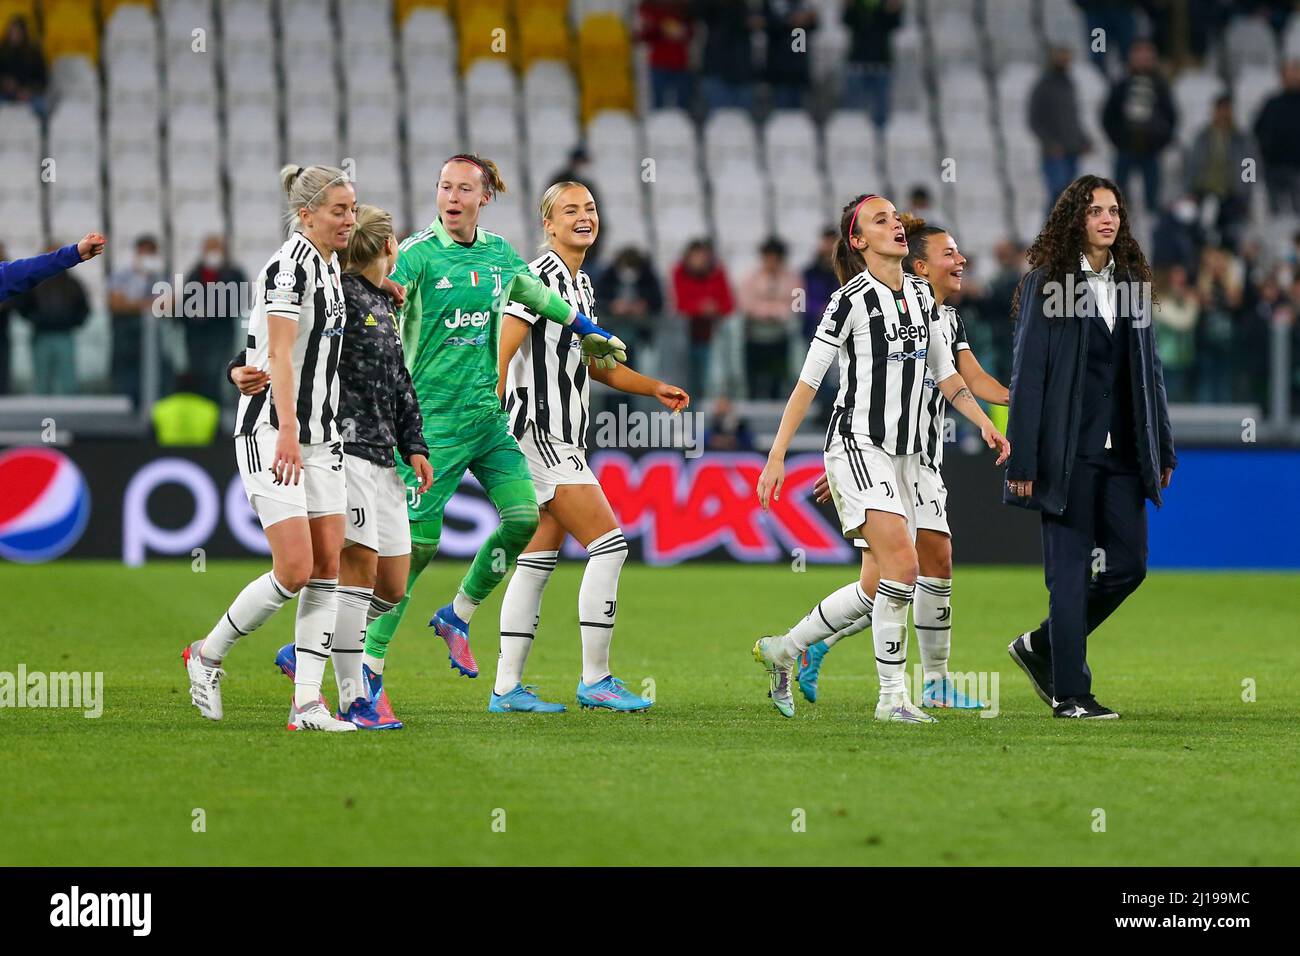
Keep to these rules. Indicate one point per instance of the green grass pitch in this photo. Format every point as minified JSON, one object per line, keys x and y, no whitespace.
{"x":1191,"y":775}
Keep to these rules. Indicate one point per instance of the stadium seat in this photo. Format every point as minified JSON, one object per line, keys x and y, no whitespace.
{"x":428,"y":32}
{"x":70,"y":30}
{"x":541,"y":36}
{"x":1194,"y":92}
{"x":1251,"y":87}
{"x":1249,"y":43}
{"x":549,"y":83}
{"x":791,"y":144}
{"x":481,"y":32}
{"x":246,"y":29}
{"x":405,"y":9}
{"x":604,"y":54}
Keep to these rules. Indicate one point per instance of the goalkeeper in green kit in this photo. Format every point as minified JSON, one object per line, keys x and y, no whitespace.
{"x":458,"y":278}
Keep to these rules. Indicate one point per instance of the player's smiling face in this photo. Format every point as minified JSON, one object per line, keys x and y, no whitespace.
{"x":1101,"y":219}
{"x":944,"y":264}
{"x":460,"y":197}
{"x":573,"y":221}
{"x":879,"y":228}
{"x":330,"y":224}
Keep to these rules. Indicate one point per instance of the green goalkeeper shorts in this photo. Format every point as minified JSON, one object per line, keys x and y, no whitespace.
{"x":486,"y":449}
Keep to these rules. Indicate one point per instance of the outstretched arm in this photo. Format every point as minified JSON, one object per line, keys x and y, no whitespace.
{"x":634,"y":383}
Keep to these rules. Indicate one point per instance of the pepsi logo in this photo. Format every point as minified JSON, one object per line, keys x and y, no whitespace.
{"x":45,"y":505}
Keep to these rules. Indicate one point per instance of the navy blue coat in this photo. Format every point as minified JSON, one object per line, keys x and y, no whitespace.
{"x":1047,"y":398}
{"x":18,"y":276}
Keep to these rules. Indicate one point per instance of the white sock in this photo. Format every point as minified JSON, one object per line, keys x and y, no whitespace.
{"x":463,"y":606}
{"x":861,"y":624}
{"x":521,"y":610}
{"x":889,"y":633}
{"x":378,"y":608}
{"x":349,"y":640}
{"x":932,"y":613}
{"x":833,"y":613}
{"x":598,"y":602}
{"x":313,"y":635}
{"x":253,"y":607}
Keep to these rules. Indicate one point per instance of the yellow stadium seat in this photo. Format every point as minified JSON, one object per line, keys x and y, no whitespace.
{"x":402,"y":8}
{"x":69,"y":37}
{"x":603,"y":36}
{"x":106,"y":7}
{"x":18,"y":8}
{"x":557,"y":10}
{"x":480,"y":37}
{"x":605,"y":86}
{"x":497,"y":10}
{"x":542,"y":37}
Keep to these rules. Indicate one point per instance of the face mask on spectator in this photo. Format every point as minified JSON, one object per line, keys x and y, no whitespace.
{"x":212,"y":259}
{"x":149,"y":262}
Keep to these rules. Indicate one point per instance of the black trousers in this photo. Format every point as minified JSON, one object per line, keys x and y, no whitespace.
{"x":1094,"y":556}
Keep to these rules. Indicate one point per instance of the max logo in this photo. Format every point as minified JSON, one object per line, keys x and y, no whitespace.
{"x":684,"y":508}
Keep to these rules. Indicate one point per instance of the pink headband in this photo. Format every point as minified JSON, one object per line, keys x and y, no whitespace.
{"x":854,"y":219}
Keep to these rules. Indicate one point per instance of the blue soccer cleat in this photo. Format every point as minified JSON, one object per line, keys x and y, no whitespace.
{"x":456,"y":633}
{"x":362,"y":712}
{"x":942,"y":692}
{"x":810,"y":667}
{"x":287,"y":660}
{"x":610,"y":694}
{"x":521,"y":699}
{"x":378,"y":696}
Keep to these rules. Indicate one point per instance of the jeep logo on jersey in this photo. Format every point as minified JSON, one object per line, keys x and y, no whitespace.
{"x":906,"y":332}
{"x":464,"y":319}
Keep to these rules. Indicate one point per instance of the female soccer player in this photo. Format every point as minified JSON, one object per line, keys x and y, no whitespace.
{"x":932,"y":255}
{"x":886,"y":332}
{"x":288,"y":447}
{"x":378,"y":411}
{"x":459,"y":277}
{"x":547,"y":393}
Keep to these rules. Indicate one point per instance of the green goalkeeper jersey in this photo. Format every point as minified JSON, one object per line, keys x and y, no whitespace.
{"x":452,"y":319}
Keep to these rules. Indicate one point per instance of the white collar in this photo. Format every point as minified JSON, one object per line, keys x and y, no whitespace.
{"x":1106,"y":272}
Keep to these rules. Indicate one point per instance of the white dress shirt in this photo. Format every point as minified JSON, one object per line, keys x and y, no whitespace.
{"x":1102,"y":286}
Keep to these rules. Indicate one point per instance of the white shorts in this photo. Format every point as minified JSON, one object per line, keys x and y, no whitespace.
{"x":553,"y":463}
{"x":864,"y":477}
{"x":376,"y":516}
{"x":931,"y":502}
{"x":321,"y":490}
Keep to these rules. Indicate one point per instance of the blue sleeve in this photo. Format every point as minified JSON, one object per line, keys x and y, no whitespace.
{"x":22,"y":274}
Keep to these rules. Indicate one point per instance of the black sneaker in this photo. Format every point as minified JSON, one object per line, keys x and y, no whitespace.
{"x":1037,"y":667}
{"x":1083,"y":708}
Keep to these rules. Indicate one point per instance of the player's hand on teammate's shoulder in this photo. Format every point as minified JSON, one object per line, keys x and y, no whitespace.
{"x":250,"y":379}
{"x":396,"y":290}
{"x":423,"y":471}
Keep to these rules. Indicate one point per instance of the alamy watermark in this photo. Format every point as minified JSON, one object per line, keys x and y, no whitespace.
{"x":634,"y":429}
{"x":82,"y":690}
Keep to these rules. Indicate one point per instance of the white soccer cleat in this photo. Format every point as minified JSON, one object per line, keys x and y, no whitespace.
{"x":779,"y":674}
{"x":899,"y":709}
{"x":205,"y":681}
{"x":315,"y":717}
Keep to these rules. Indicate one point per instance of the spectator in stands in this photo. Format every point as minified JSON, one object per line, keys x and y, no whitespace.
{"x":819,"y":283}
{"x":725,"y":430}
{"x":766,"y":299}
{"x":727,"y":70}
{"x":55,"y":308}
{"x":1214,"y":172}
{"x":631,"y":298}
{"x":702,"y":296}
{"x":1055,"y":123}
{"x":1114,"y":18}
{"x":919,"y":202}
{"x":1178,"y":237}
{"x":666,"y":29}
{"x":23,"y":75}
{"x":130,"y":296}
{"x":1277,"y":129}
{"x":211,"y":323}
{"x":1266,"y":304}
{"x":1219,"y":284}
{"x":995,"y":308}
{"x":1177,"y":310}
{"x":789,"y":24}
{"x":871,"y":25}
{"x":1140,"y":117}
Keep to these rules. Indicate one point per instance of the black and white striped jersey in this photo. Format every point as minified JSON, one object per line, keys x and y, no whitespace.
{"x":885,"y":342}
{"x":300,"y":284}
{"x":547,"y":384}
{"x":935,"y":407}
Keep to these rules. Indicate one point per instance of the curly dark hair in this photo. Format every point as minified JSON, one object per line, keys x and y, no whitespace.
{"x":1059,"y":245}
